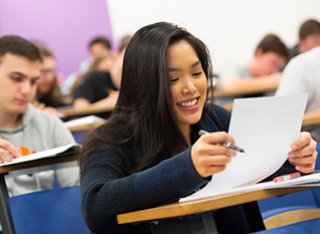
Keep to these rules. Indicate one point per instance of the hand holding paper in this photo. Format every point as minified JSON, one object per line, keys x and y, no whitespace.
{"x":265,"y":127}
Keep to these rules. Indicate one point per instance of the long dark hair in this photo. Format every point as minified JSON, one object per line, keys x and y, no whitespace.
{"x":144,"y":120}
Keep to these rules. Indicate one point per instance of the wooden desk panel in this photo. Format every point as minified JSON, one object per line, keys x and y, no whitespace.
{"x":204,"y":205}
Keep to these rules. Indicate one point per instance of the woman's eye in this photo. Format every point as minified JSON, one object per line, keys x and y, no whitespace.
{"x":174,"y":80}
{"x":197,"y":73}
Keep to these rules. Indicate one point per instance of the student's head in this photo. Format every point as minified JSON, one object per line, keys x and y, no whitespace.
{"x":48,"y":79}
{"x":165,"y":75}
{"x":309,"y":35}
{"x":270,"y":55}
{"x":98,"y":46}
{"x":20,"y":65}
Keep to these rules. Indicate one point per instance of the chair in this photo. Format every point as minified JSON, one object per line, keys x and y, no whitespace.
{"x":50,"y":211}
{"x":293,"y":213}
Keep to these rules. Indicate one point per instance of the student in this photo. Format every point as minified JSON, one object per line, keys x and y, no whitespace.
{"x":48,"y":94}
{"x":21,"y":124}
{"x":302,"y":75}
{"x":309,"y":37}
{"x":100,"y":87}
{"x":97,"y":46}
{"x":95,"y":88}
{"x":269,"y":56}
{"x":149,"y":152}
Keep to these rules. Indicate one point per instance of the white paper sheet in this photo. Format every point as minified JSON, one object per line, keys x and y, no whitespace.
{"x":44,"y":154}
{"x":265,"y":128}
{"x":308,"y":180}
{"x":91,"y":119}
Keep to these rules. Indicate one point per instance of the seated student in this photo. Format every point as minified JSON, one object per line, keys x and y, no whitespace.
{"x":48,"y":96}
{"x":269,"y":56}
{"x":149,"y":152}
{"x":302,"y":75}
{"x":99,"y":87}
{"x":309,"y":37}
{"x":21,"y":124}
{"x":97,"y":46}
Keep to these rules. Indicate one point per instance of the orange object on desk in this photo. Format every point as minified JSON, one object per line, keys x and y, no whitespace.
{"x":26,"y":151}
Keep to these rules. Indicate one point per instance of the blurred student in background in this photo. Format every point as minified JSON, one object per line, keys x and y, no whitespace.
{"x":99,"y":87}
{"x":96,"y":47}
{"x":309,"y":37}
{"x":302,"y":75}
{"x":21,"y":124}
{"x":48,"y":96}
{"x":269,"y":56}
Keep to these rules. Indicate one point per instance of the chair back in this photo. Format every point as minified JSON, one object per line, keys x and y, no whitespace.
{"x":50,"y":211}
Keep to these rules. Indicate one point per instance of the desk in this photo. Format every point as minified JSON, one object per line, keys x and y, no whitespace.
{"x":85,"y":127}
{"x":64,"y":113}
{"x":252,"y":89}
{"x":45,"y":164}
{"x":200,"y":206}
{"x":311,"y":121}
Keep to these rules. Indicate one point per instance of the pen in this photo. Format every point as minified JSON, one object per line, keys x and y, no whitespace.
{"x":226,"y":144}
{"x":287,"y":177}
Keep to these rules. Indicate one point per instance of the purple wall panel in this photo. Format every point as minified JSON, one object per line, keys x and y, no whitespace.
{"x":65,"y":26}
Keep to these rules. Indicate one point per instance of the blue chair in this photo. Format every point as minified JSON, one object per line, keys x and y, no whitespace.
{"x":50,"y":211}
{"x":291,"y":210}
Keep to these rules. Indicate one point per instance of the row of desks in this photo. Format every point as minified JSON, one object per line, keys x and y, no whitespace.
{"x":153,"y":214}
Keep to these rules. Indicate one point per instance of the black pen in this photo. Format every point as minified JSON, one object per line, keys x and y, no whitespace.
{"x":226,"y":144}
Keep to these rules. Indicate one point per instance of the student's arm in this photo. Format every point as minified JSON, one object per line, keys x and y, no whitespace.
{"x":108,"y":190}
{"x":8,"y":151}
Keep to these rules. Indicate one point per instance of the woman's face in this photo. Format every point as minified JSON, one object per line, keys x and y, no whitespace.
{"x":48,"y":76}
{"x":188,"y":83}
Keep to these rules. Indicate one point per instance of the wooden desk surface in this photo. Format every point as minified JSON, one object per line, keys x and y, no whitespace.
{"x":85,"y":127}
{"x":85,"y":111}
{"x":311,"y":121}
{"x":38,"y":163}
{"x":204,"y":205}
{"x":246,"y":90}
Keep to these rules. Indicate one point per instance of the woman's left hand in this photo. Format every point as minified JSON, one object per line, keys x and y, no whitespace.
{"x":304,"y":154}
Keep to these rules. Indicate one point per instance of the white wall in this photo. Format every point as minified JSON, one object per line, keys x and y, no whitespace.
{"x":230,"y":29}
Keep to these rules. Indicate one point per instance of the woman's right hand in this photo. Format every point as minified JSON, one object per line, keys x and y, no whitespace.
{"x":209,"y":155}
{"x":8,"y":151}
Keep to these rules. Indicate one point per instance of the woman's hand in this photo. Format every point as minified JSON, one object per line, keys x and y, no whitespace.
{"x":8,"y":151}
{"x":303,"y":154}
{"x":209,"y":155}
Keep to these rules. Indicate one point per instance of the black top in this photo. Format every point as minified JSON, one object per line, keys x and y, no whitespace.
{"x":96,"y":86}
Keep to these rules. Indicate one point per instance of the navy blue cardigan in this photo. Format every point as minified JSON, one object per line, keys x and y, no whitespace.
{"x":108,"y":189}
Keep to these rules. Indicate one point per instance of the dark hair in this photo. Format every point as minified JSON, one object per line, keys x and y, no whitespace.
{"x":272,"y":43}
{"x":144,"y":118}
{"x":308,"y":28}
{"x":54,"y":97}
{"x":19,"y":46}
{"x":100,"y":40}
{"x":44,"y":50}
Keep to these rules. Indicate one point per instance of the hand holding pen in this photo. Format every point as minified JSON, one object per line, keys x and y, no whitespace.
{"x":226,"y":143}
{"x":209,"y":154}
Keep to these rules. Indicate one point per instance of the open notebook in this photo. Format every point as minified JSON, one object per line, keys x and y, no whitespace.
{"x":92,"y":119}
{"x":59,"y":151}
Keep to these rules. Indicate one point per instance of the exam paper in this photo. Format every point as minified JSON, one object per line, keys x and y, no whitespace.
{"x":265,"y":128}
{"x":61,"y":150}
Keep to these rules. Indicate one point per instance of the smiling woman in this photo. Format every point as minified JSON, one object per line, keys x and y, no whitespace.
{"x":149,"y":152}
